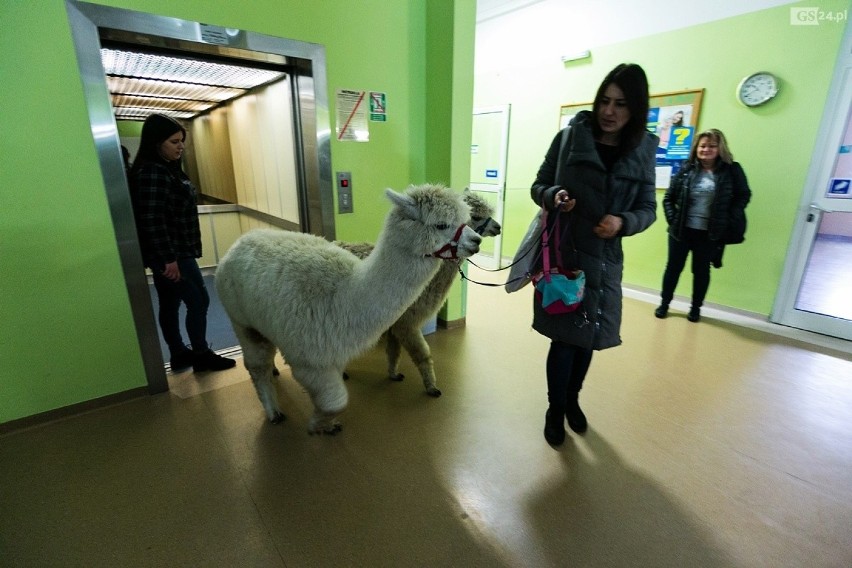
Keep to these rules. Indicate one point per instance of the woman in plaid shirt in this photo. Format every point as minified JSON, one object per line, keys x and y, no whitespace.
{"x":166,"y":211}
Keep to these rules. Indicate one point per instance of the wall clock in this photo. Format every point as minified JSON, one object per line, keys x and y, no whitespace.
{"x":757,"y":89}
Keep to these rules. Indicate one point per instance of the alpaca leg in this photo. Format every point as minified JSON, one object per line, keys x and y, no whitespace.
{"x":415,"y":344}
{"x":258,"y":357}
{"x":328,"y":394}
{"x":393,"y":350}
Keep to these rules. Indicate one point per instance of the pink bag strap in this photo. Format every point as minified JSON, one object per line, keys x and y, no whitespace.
{"x":545,"y":244}
{"x":546,"y":237}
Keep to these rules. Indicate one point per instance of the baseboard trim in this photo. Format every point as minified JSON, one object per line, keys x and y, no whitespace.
{"x":451,"y":324}
{"x":71,"y":410}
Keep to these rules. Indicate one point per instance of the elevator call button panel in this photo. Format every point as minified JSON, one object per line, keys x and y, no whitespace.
{"x":344,"y":192}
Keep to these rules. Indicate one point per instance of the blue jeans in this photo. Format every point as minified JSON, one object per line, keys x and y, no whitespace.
{"x":702,"y":249}
{"x":190,"y":290}
{"x":567,"y":366}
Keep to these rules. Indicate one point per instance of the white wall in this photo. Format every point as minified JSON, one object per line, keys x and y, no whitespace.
{"x":571,"y":25}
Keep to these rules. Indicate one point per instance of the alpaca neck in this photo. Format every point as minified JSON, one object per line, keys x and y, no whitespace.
{"x":444,"y":277}
{"x":385,"y":284}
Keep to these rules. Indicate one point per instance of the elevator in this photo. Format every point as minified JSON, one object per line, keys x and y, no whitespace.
{"x":261,"y":158}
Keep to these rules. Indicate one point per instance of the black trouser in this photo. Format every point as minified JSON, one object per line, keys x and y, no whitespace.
{"x":702,"y":249}
{"x":567,"y":366}
{"x":190,"y":290}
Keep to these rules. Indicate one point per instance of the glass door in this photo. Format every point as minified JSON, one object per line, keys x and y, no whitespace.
{"x":815,"y":293}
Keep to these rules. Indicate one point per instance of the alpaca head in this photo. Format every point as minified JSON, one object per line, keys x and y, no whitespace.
{"x":481,"y":215}
{"x":427,"y":217}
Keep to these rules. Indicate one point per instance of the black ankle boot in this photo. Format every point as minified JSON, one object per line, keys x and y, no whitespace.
{"x":576,"y":419}
{"x":210,"y":361}
{"x":554,"y":429}
{"x":694,"y":314}
{"x":662,"y":311}
{"x":181,"y":361}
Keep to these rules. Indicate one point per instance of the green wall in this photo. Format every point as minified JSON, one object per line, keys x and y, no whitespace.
{"x":452,"y":164}
{"x":773,"y":142}
{"x":67,"y":335}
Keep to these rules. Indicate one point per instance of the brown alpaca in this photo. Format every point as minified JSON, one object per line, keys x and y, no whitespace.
{"x":407,"y":332}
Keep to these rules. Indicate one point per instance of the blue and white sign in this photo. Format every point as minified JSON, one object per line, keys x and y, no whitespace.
{"x":491,"y":173}
{"x":839,"y":187}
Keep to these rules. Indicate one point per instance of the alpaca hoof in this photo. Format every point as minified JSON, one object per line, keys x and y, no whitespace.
{"x":330,"y":430}
{"x":278,"y":418}
{"x":397,"y":377}
{"x":345,"y":376}
{"x":434,"y":392}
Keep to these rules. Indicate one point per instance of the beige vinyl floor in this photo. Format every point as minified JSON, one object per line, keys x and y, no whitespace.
{"x":710,"y":445}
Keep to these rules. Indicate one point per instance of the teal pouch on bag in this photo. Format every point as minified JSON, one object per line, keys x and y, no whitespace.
{"x":560,"y":293}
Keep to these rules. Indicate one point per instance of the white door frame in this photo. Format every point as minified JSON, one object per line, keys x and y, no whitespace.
{"x":497,"y":186}
{"x":815,"y":203}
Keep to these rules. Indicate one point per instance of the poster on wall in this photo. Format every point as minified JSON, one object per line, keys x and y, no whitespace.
{"x":673,"y":117}
{"x":352,"y":116}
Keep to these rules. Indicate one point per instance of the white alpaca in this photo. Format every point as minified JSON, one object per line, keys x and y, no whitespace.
{"x":407,"y":331}
{"x":321,"y":306}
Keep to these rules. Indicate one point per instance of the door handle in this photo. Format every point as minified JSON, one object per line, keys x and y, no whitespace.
{"x":819,"y":208}
{"x":815,"y":210}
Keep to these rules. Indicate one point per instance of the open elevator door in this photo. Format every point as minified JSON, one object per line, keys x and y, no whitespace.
{"x":311,"y":130}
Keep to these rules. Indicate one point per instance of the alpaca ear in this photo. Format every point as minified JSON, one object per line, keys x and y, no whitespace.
{"x":466,"y":191}
{"x":403,"y":201}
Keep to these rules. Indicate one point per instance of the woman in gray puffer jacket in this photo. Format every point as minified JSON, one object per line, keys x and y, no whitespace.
{"x":705,"y":209}
{"x":599,"y":175}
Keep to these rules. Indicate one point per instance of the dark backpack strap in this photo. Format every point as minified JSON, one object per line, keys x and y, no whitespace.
{"x":562,"y":144}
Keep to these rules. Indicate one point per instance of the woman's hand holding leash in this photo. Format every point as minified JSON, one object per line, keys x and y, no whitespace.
{"x":563,"y":202}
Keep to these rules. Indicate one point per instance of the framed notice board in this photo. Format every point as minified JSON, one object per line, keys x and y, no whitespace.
{"x":673,"y":117}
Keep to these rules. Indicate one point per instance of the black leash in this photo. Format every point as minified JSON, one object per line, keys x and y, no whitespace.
{"x":491,"y":284}
{"x":514,"y":262}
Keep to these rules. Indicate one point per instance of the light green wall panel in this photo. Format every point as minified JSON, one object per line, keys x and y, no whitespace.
{"x":66,"y":334}
{"x":453,"y":61}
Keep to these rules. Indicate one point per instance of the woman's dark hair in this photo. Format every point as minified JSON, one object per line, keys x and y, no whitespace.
{"x":157,"y":129}
{"x":631,"y":79}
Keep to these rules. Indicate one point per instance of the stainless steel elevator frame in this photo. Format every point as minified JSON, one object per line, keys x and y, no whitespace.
{"x":307,"y":67}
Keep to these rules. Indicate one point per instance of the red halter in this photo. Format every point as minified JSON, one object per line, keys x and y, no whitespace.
{"x":450,"y":250}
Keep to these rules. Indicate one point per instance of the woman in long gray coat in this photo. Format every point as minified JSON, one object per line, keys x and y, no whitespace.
{"x":604,"y":190}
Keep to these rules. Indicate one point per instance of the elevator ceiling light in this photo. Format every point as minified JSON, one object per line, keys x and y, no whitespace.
{"x":131,"y":113}
{"x":143,"y":83}
{"x":170,"y":90}
{"x":161,"y":103}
